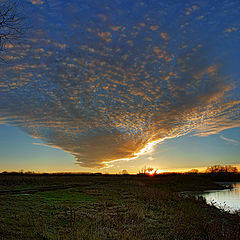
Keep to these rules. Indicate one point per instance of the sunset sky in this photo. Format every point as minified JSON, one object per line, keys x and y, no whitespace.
{"x":102,"y":86}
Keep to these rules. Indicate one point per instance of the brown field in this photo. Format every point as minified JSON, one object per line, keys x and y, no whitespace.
{"x":111,"y":207}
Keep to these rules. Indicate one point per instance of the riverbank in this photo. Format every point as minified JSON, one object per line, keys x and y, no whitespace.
{"x":111,"y":207}
{"x":227,"y":199}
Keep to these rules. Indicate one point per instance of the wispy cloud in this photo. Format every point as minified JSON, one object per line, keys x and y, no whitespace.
{"x":105,"y":89}
{"x":229,"y":140}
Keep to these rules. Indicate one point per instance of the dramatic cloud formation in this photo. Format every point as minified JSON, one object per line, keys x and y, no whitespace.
{"x":106,"y":80}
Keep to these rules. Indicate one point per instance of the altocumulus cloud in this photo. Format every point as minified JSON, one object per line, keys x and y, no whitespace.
{"x":106,"y":80}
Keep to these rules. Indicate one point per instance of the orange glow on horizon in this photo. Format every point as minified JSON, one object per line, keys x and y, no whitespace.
{"x":152,"y":172}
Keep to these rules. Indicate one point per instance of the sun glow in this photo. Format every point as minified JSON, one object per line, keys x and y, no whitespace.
{"x":152,"y":172}
{"x":145,"y":150}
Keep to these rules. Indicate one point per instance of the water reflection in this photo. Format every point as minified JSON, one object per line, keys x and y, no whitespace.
{"x":229,"y":199}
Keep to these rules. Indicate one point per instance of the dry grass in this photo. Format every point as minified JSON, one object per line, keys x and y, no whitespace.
{"x":112,"y":208}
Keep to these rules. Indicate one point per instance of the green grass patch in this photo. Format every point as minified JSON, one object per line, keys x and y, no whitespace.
{"x":67,"y":195}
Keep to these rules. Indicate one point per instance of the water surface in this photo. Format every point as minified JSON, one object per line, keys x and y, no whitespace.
{"x":228,"y":199}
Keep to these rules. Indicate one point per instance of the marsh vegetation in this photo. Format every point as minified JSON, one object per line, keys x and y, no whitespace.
{"x":111,"y":207}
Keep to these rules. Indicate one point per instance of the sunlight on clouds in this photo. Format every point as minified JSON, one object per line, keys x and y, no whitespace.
{"x":106,"y":90}
{"x":37,"y":2}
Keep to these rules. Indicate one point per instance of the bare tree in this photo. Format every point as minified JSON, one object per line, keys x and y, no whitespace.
{"x":124,"y":172}
{"x":11,"y":23}
{"x":193,"y":171}
{"x":222,"y":169}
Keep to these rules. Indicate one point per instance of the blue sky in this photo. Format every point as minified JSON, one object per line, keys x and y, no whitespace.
{"x":18,"y":151}
{"x":120,"y":85}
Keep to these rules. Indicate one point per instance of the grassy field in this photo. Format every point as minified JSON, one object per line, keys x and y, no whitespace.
{"x":111,"y":207}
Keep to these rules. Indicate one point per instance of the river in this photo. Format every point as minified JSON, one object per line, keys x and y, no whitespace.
{"x":228,"y":199}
